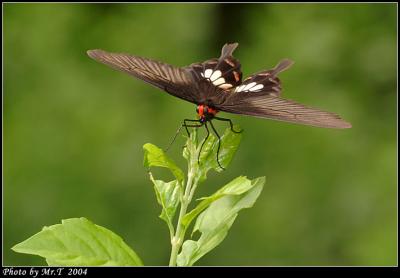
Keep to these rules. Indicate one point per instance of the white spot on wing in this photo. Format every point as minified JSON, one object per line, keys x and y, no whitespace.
{"x":248,"y":86}
{"x":257,"y":87}
{"x":219,"y":81}
{"x":240,"y":88}
{"x":216,"y":74}
{"x":225,"y":86}
{"x":207,"y":73}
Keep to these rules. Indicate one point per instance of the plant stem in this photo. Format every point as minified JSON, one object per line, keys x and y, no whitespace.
{"x":177,"y":240}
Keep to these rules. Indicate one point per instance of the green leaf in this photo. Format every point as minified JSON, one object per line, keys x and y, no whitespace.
{"x":215,"y":222}
{"x":208,"y":157}
{"x":168,"y":194}
{"x":191,"y":144}
{"x":79,"y":242}
{"x":235,"y":187}
{"x":229,"y":144}
{"x":154,"y":156}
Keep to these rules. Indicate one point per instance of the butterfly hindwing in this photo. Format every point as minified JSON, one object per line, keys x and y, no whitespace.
{"x":223,"y":73}
{"x":265,"y":81}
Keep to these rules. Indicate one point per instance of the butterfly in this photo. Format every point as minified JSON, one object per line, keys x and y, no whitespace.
{"x":216,"y":85}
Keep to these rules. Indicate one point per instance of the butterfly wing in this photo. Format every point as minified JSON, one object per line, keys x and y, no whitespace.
{"x":216,"y":75}
{"x":258,"y":96}
{"x":270,"y":107}
{"x":175,"y":81}
{"x":265,"y":81}
{"x":223,"y":73}
{"x":197,"y":83}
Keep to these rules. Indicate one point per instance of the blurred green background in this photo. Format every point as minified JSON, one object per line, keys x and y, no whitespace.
{"x":74,"y":128}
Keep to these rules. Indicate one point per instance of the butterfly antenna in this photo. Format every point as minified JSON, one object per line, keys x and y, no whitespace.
{"x":184,"y":124}
{"x":173,"y":139}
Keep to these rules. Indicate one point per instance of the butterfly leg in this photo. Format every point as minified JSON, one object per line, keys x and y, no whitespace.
{"x":184,"y":124}
{"x":219,"y":144}
{"x":205,"y":139}
{"x":230,"y":123}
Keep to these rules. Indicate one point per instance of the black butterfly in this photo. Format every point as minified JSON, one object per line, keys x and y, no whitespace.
{"x":216,"y":85}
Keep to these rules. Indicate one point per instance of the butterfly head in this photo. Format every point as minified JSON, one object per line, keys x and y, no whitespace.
{"x":205,"y":112}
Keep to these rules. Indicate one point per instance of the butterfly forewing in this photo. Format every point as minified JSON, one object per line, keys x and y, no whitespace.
{"x":176,"y":81}
{"x":270,"y":107}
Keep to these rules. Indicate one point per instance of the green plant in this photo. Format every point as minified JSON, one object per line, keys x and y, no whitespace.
{"x":78,"y":241}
